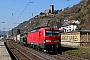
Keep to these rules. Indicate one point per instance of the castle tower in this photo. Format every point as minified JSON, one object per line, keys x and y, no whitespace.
{"x":52,"y":9}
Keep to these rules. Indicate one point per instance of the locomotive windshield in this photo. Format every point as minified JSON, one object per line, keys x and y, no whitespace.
{"x":52,"y":32}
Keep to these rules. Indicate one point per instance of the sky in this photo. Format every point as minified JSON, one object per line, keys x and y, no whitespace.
{"x":14,"y":12}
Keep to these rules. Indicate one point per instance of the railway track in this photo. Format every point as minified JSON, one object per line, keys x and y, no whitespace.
{"x":17,"y":53}
{"x":32,"y":54}
{"x":29,"y":53}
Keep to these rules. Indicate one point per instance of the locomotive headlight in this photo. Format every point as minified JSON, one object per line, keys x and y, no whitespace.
{"x":47,"y":41}
{"x":56,"y":41}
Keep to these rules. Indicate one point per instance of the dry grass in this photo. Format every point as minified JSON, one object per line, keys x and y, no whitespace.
{"x":85,"y":50}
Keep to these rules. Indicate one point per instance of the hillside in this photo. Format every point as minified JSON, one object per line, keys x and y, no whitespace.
{"x":79,"y":12}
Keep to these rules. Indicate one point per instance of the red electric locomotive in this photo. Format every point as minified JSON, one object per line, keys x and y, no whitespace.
{"x":45,"y":38}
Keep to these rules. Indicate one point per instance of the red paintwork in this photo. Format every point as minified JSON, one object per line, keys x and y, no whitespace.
{"x":39,"y":37}
{"x":33,"y":37}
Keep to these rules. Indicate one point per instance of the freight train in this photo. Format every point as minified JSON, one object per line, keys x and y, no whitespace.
{"x":42,"y":38}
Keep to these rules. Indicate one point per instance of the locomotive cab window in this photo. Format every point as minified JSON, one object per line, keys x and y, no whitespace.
{"x":52,"y":32}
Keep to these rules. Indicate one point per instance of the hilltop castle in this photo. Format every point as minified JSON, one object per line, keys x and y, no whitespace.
{"x":50,"y":11}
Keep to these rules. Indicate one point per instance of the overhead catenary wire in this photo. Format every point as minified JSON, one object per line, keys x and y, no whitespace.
{"x":19,"y":1}
{"x":21,"y":12}
{"x":12,"y":9}
{"x":15,"y":10}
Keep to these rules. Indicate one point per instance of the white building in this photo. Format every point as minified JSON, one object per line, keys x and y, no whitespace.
{"x":69,"y":28}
